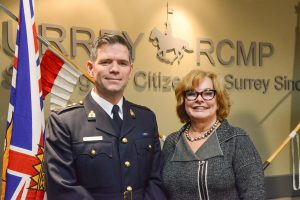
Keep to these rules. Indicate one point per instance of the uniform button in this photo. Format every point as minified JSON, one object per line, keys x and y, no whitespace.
{"x":127,"y":164}
{"x":149,"y":146}
{"x":124,"y":140}
{"x":129,"y":188}
{"x":93,"y":152}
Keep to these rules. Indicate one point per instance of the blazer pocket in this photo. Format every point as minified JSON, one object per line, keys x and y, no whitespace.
{"x":94,"y":163}
{"x":144,"y":149}
{"x":144,"y":146}
{"x":92,"y":149}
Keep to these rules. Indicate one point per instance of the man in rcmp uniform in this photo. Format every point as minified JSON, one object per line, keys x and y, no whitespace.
{"x":97,"y":150}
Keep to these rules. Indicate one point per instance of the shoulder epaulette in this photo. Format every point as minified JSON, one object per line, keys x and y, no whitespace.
{"x":140,"y":106}
{"x":69,"y":107}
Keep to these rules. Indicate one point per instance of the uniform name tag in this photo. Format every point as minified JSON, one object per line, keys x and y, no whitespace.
{"x":92,"y":138}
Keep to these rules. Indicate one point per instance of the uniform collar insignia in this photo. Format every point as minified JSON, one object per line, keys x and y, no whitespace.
{"x":91,"y":115}
{"x":132,"y":114}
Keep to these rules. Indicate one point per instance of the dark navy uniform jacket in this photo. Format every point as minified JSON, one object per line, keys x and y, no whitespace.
{"x":86,"y":159}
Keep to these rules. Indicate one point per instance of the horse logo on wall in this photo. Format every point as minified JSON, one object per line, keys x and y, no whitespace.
{"x":167,"y":44}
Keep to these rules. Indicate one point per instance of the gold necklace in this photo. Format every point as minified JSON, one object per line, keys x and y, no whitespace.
{"x":203,"y":135}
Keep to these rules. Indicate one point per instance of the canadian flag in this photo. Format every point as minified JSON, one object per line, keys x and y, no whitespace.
{"x":58,"y":78}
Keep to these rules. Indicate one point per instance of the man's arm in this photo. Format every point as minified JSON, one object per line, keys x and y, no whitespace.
{"x":61,"y":177}
{"x":154,"y":189}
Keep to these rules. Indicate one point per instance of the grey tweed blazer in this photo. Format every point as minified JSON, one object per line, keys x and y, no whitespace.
{"x":227,"y":166}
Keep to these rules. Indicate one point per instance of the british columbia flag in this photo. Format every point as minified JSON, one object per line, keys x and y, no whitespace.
{"x":23,"y":176}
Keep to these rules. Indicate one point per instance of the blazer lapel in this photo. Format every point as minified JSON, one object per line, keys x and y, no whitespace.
{"x":94,"y":112}
{"x":128,"y":119}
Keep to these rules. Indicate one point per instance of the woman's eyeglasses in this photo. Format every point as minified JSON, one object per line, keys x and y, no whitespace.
{"x":207,"y":94}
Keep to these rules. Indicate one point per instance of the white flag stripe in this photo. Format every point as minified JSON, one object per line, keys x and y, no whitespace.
{"x":62,"y":83}
{"x":16,"y":48}
{"x":35,"y":92}
{"x":72,"y":70}
{"x":24,"y":151}
{"x":14,"y":77}
{"x":27,"y":184}
{"x":68,"y":76}
{"x":58,"y":91}
{"x":10,"y":112}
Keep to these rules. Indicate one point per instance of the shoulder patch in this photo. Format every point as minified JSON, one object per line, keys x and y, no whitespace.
{"x":68,"y":108}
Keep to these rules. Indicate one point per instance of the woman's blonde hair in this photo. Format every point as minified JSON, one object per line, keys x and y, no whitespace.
{"x":190,"y":82}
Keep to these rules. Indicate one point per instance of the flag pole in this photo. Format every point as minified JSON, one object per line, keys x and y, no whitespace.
{"x":50,"y":46}
{"x":14,"y":17}
{"x":282,"y":145}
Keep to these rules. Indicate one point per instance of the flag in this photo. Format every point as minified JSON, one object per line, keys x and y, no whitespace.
{"x":23,"y":176}
{"x":58,"y":78}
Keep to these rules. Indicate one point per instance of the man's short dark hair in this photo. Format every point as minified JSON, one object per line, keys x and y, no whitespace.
{"x":109,"y":39}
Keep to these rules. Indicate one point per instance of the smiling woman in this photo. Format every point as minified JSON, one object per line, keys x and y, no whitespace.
{"x":209,"y":154}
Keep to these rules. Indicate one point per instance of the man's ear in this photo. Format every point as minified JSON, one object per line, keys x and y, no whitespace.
{"x":131,"y":69}
{"x":90,"y":68}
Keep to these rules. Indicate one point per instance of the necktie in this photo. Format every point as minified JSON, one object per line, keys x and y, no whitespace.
{"x":116,"y":117}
